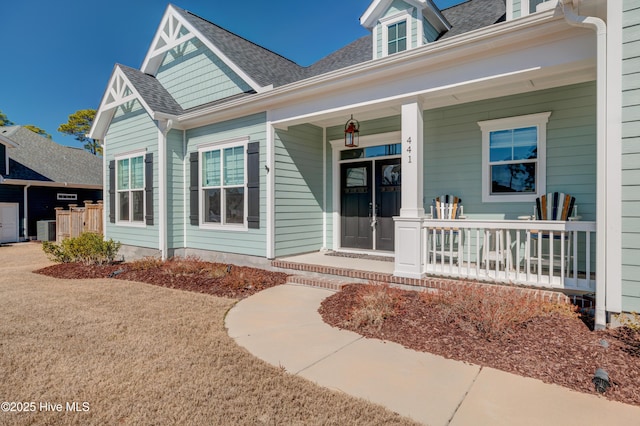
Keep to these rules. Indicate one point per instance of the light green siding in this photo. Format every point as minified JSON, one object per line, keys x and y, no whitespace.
{"x":298,"y":194}
{"x":517,"y":8}
{"x":252,"y":241}
{"x":396,"y":7}
{"x":631,"y":156}
{"x":132,"y":129}
{"x":194,"y":76}
{"x":453,"y":149}
{"x":378,"y":39}
{"x":429,"y":32}
{"x":175,"y":189}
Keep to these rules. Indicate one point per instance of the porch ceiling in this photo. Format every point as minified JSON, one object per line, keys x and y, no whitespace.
{"x":499,"y":85}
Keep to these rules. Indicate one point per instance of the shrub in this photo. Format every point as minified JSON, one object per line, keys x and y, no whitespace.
{"x":87,"y":248}
{"x":374,"y":304}
{"x":492,"y":312}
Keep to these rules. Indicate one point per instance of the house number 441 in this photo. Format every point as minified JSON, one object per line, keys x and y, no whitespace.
{"x":409,"y":148}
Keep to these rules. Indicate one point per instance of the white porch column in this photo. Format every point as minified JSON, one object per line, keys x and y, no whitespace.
{"x":412,"y":160}
{"x":408,"y":232}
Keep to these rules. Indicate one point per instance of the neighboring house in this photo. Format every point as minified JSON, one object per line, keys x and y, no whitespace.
{"x":220,"y":148}
{"x":37,"y":175}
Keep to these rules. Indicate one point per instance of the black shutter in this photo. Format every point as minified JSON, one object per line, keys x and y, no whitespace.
{"x":193,"y":190}
{"x":112,"y":191}
{"x":253,"y":185}
{"x":148,"y":188}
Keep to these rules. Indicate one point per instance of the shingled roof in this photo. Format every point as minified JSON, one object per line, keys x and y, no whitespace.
{"x":472,"y":15}
{"x":269,"y":68}
{"x":40,"y":159}
{"x":152,"y":92}
{"x":264,"y":66}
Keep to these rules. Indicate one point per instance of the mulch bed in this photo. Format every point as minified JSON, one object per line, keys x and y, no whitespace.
{"x":237,"y":281}
{"x":555,"y":349}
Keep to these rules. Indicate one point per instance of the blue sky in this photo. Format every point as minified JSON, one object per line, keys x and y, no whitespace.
{"x":57,"y":56}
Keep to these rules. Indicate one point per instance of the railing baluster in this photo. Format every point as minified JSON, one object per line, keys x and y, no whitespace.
{"x":539,"y":254}
{"x":517,"y":265}
{"x":527,"y":254}
{"x":477,"y":252}
{"x":574,"y":235}
{"x":450,"y":250}
{"x":562,"y":258}
{"x":507,"y":254}
{"x":468,"y":237}
{"x":587,"y":248}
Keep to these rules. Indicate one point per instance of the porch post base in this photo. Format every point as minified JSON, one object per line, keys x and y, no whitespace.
{"x":408,"y":247}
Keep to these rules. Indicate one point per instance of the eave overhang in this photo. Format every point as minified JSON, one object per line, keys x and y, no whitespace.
{"x":7,"y":142}
{"x":532,"y":30}
{"x":26,"y":182}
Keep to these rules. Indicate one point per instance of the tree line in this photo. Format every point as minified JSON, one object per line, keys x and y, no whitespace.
{"x":78,"y":125}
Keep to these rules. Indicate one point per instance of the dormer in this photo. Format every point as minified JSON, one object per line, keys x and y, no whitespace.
{"x":399,"y":25}
{"x":520,"y":8}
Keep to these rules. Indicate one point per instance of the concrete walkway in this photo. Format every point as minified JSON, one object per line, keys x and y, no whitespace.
{"x":281,"y":325}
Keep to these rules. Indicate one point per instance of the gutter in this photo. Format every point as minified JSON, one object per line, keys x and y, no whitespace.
{"x":600,"y":28}
{"x":23,"y":182}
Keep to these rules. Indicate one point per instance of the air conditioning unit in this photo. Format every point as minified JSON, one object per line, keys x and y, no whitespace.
{"x":46,"y":230}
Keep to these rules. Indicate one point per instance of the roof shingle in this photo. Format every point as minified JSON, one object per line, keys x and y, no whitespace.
{"x":41,"y":159}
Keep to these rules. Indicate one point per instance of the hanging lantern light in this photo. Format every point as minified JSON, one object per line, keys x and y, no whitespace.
{"x":351,"y":133}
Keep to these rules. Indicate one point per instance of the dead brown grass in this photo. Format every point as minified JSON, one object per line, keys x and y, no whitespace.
{"x":142,"y":354}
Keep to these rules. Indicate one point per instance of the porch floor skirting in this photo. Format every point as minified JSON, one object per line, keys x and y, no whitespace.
{"x":325,"y":276}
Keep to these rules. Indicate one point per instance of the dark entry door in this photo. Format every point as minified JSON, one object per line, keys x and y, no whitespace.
{"x":356,"y":205}
{"x":387,"y":201}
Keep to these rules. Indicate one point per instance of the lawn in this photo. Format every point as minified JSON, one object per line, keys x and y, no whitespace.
{"x":134,"y":353}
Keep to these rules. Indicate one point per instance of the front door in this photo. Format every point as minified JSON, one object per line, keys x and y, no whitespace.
{"x":8,"y":222}
{"x":370,"y":197}
{"x":387,"y":203}
{"x":356,"y":205}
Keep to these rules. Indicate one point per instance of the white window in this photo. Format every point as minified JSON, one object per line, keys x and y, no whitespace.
{"x":514,"y":158}
{"x":396,"y":33}
{"x":397,"y":37}
{"x":130,"y":186}
{"x":223,"y":193}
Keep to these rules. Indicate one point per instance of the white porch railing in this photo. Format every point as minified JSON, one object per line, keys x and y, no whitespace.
{"x":553,"y":254}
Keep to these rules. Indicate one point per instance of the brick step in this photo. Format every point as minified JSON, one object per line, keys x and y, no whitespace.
{"x":335,"y":284}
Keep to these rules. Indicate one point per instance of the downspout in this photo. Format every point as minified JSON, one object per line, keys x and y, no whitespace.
{"x":164,"y":127}
{"x":271,"y":191}
{"x":25,"y":231}
{"x":599,"y":26}
{"x":185,"y":185}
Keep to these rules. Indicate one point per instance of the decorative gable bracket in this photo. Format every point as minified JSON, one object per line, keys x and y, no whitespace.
{"x":174,"y":30}
{"x":171,"y":34}
{"x":120,"y":91}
